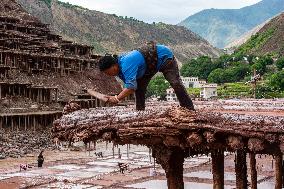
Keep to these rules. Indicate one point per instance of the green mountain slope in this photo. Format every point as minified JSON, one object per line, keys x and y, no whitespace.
{"x":269,"y":39}
{"x":222,"y":26}
{"x":110,"y":33}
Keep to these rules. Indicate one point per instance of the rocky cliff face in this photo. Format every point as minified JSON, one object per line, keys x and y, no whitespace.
{"x":110,"y":33}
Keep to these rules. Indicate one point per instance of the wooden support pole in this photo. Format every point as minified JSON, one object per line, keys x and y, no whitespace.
{"x":25,"y":122}
{"x":278,"y":171}
{"x":1,"y":122}
{"x":282,"y":173}
{"x":253,"y":171}
{"x":28,"y":121}
{"x":12,"y":123}
{"x":34,"y":122}
{"x":19,"y":124}
{"x":218,"y":169}
{"x":171,"y":159}
{"x":56,"y":95}
{"x":241,"y":170}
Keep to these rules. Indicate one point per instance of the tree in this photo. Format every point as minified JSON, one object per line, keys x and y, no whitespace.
{"x":158,"y":87}
{"x":236,"y":72}
{"x":265,"y":60}
{"x":217,"y":76}
{"x":200,"y":67}
{"x":259,"y":67}
{"x":280,"y":63}
{"x":277,"y":80}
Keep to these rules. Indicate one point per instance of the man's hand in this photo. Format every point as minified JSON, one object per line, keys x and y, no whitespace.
{"x":112,"y":99}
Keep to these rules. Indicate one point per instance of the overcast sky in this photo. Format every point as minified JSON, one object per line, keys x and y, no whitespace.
{"x":168,"y":11}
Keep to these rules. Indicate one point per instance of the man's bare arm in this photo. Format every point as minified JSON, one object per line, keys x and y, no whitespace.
{"x":126,"y":92}
{"x":115,"y":99}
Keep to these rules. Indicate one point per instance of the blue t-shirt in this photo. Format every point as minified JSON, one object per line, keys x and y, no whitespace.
{"x":132,"y":65}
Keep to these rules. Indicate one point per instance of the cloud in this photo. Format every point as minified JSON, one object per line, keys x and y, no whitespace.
{"x":168,"y":11}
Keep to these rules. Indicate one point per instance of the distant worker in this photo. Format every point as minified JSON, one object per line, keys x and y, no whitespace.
{"x":40,"y":159}
{"x":136,"y":68}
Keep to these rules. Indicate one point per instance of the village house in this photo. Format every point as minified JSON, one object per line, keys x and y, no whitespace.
{"x":208,"y":91}
{"x":192,"y":82}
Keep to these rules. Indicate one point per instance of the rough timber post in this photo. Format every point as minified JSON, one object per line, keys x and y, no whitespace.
{"x":1,"y":122}
{"x":282,"y":172}
{"x":171,"y":159}
{"x":218,"y":169}
{"x":253,"y":171}
{"x":278,"y":171}
{"x":241,"y":170}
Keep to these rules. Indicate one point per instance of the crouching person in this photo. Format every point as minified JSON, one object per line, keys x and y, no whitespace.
{"x":136,"y":69}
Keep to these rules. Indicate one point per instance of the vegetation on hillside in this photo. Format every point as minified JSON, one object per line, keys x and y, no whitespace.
{"x":229,"y":69}
{"x":68,"y":5}
{"x":226,"y":68}
{"x":280,"y":63}
{"x":255,"y":42}
{"x":277,"y":80}
{"x":48,"y":2}
{"x":64,"y":4}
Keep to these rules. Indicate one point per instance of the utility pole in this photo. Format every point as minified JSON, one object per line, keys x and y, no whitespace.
{"x":256,"y":77}
{"x":254,"y":83}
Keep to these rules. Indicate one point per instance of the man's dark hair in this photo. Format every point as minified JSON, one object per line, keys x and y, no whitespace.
{"x":107,"y":61}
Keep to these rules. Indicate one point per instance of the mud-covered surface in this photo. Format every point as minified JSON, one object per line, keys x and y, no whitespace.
{"x":174,"y":126}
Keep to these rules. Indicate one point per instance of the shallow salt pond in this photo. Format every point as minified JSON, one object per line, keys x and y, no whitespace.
{"x":162,"y":184}
{"x":100,"y":169}
{"x":208,"y":175}
{"x":69,"y":167}
{"x":62,"y":185}
{"x":102,"y":163}
{"x":78,"y":174}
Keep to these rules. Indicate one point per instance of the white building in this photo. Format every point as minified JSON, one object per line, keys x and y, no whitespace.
{"x":208,"y":91}
{"x":171,"y":95}
{"x":191,"y":82}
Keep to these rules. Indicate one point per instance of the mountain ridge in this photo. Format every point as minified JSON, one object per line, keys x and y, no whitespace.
{"x":113,"y":34}
{"x":222,"y":26}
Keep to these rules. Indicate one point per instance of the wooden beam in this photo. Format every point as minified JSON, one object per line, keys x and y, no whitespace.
{"x":255,"y":145}
{"x":235,"y":142}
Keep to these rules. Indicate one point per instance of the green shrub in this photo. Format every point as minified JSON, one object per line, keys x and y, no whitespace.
{"x":280,"y":63}
{"x":277,"y":81}
{"x":231,"y":74}
{"x":158,"y":87}
{"x":200,"y":67}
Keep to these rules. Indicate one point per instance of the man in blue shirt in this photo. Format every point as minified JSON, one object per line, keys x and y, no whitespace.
{"x":136,"y":68}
